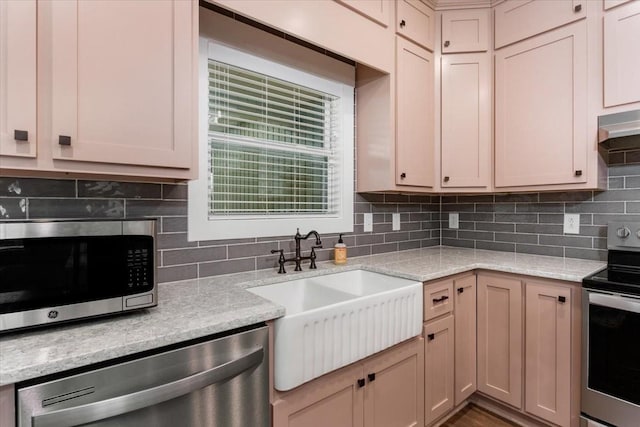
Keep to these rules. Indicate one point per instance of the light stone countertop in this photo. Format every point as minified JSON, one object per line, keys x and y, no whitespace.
{"x":197,"y":308}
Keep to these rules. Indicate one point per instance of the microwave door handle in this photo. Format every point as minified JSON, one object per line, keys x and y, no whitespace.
{"x":96,"y":411}
{"x":617,"y":302}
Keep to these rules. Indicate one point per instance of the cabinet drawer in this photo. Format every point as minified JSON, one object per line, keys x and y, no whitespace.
{"x":517,"y":20}
{"x":415,"y":21}
{"x":438,"y":299}
{"x":465,"y":31}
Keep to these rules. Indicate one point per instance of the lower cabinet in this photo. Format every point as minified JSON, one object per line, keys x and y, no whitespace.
{"x":500,"y":338}
{"x":384,"y":390}
{"x":529,"y":341}
{"x":449,"y":344}
{"x":438,"y":368}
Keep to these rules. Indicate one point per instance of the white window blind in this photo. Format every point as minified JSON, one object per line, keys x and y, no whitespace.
{"x":272,"y":145}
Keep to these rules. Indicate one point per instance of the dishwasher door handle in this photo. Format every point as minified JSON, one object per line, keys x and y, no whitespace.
{"x":96,"y":411}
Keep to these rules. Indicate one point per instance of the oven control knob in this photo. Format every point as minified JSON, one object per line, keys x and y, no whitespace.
{"x":623,"y":232}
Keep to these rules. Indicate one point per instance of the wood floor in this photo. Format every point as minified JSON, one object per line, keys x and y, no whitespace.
{"x":474,"y":416}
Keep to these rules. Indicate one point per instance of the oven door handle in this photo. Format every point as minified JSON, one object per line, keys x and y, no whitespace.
{"x":617,"y":302}
{"x":119,"y":405}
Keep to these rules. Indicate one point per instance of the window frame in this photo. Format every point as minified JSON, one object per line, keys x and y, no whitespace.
{"x":200,"y":226}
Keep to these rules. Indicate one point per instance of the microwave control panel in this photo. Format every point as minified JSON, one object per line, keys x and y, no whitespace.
{"x":139,"y":267}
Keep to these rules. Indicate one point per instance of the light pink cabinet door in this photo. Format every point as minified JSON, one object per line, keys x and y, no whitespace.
{"x":517,"y":20}
{"x":122,"y":81}
{"x":439,"y":368}
{"x":415,"y":21}
{"x":622,"y":55}
{"x":466,"y":120}
{"x":548,"y":357}
{"x":335,"y":399}
{"x":465,"y":338}
{"x":465,"y":30}
{"x":376,"y":10}
{"x":394,"y":391}
{"x":18,"y":78}
{"x":500,"y":355}
{"x":541,"y":109}
{"x":414,"y":115}
{"x":608,"y":4}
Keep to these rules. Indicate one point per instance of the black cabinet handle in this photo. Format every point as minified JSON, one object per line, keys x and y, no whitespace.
{"x":372,"y":377}
{"x":360,"y":382}
{"x":446,"y":179}
{"x":402,"y":24}
{"x":577,"y":8}
{"x":441,"y":299}
{"x":403,"y":175}
{"x":446,"y":43}
{"x":578,"y":173}
{"x":20,"y":135}
{"x":431,"y":337}
{"x":562,"y":300}
{"x":64,"y":140}
{"x":460,"y":290}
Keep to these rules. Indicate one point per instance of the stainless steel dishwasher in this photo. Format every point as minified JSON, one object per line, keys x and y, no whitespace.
{"x":222,"y":382}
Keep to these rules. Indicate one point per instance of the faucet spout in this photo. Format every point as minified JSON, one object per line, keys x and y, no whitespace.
{"x":315,"y":233}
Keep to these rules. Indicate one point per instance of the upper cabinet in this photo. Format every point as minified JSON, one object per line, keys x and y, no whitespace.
{"x":465,"y":30}
{"x":18,"y":78}
{"x":376,"y":10}
{"x":621,"y":56}
{"x":541,"y":110}
{"x":415,"y":21}
{"x":517,"y":20}
{"x":120,"y":91}
{"x":414,"y":116}
{"x":116,"y":88}
{"x":465,"y":121}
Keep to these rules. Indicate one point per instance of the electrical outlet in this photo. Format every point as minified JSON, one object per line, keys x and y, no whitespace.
{"x":571,"y":224}
{"x":395,"y":221}
{"x":454,"y":220}
{"x":368,"y":222}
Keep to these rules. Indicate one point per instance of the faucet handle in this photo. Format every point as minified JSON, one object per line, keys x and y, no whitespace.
{"x":313,"y":256}
{"x":281,"y":260}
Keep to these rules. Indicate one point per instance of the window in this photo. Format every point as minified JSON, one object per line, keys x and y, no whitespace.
{"x":276,"y":149}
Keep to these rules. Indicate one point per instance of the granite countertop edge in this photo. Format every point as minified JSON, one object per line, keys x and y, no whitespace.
{"x":198,"y":308}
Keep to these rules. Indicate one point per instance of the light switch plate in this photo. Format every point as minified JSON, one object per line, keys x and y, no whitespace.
{"x":395,"y":221}
{"x":454,"y":220}
{"x":368,"y":222}
{"x":571,"y":224}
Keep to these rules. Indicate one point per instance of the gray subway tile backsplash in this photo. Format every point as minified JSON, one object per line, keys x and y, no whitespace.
{"x":524,"y":223}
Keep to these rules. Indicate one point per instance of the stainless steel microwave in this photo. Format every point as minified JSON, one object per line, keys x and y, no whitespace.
{"x":58,"y":271}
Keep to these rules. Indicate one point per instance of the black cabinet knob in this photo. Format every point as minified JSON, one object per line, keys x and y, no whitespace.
{"x":578,"y":173}
{"x":577,"y":8}
{"x":446,"y":43}
{"x":372,"y":377}
{"x":562,"y":300}
{"x":361,"y":382}
{"x":446,"y":179}
{"x":460,"y":290}
{"x":20,"y":135}
{"x":403,"y":175}
{"x":64,"y":140}
{"x":431,"y":337}
{"x":402,"y":24}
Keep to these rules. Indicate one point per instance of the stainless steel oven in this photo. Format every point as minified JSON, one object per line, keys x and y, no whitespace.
{"x":56,"y":271}
{"x":611,"y":333}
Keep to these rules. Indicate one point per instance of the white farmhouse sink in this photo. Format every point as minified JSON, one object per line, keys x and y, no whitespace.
{"x":337,"y":319}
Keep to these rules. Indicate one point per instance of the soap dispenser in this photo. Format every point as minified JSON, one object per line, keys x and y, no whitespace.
{"x":340,"y":252}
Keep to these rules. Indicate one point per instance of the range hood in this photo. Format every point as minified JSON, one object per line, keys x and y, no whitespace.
{"x":620,"y":131}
